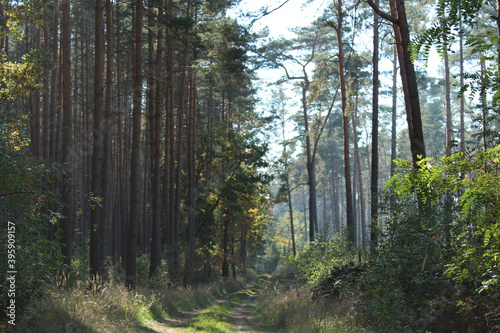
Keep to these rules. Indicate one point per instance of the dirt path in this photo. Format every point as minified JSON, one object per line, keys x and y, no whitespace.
{"x":243,"y":317}
{"x":181,"y":322}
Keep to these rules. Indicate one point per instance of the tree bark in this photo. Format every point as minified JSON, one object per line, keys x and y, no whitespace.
{"x":155,"y":258}
{"x":107,"y":170}
{"x":96,"y":217}
{"x":191,"y":199}
{"x":135,"y":165}
{"x":351,"y":224}
{"x":67,"y":142}
{"x":359,"y":175}
{"x":375,"y":135}
{"x":394,"y":112}
{"x":225,"y":246}
{"x":408,"y":76}
{"x":290,"y":212}
{"x":447,"y":88}
{"x":310,"y":164}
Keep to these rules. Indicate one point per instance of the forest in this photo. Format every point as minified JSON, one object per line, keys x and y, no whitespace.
{"x":173,"y":166}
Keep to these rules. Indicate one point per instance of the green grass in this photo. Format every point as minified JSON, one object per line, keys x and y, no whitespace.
{"x":110,"y":307}
{"x":216,"y":318}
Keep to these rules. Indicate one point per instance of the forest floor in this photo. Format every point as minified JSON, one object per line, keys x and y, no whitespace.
{"x":230,"y":313}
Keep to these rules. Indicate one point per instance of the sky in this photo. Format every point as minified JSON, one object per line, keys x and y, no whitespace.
{"x":283,"y":16}
{"x":291,"y":14}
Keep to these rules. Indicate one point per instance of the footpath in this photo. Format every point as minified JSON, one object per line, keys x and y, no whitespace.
{"x":233,"y":313}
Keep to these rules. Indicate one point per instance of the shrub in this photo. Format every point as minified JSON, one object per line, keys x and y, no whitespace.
{"x":437,"y":265}
{"x":25,"y":247}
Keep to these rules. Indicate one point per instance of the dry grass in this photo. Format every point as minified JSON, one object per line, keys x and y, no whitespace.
{"x":293,"y":310}
{"x":110,"y":307}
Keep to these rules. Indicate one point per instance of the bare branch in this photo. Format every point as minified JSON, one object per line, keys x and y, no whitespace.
{"x":323,"y":125}
{"x":382,"y":14}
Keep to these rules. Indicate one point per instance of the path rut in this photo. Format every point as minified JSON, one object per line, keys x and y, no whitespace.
{"x":243,"y":317}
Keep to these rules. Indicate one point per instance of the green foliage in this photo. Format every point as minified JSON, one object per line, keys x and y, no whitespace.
{"x":439,"y":259}
{"x":24,"y":223}
{"x":234,"y":194}
{"x":16,"y":79}
{"x":25,"y":245}
{"x":449,"y":15}
{"x":316,"y":262}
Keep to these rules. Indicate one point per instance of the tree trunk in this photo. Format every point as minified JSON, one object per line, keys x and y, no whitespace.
{"x":120,"y":152}
{"x":67,"y":144}
{"x":46,"y":99}
{"x":408,"y":76}
{"x":155,"y":258}
{"x":351,"y":226}
{"x":169,"y":176}
{"x":96,"y":260}
{"x":462,"y":97}
{"x":447,"y":87}
{"x":191,"y":199}
{"x":394,"y":113}
{"x":359,"y":175}
{"x":135,"y":165}
{"x":225,"y":246}
{"x":375,"y":135}
{"x":409,"y":79}
{"x":311,"y":169}
{"x":290,"y":211}
{"x":108,"y":133}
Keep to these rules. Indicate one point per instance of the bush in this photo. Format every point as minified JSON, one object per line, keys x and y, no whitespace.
{"x":437,"y":265}
{"x":315,"y":264}
{"x":25,"y":247}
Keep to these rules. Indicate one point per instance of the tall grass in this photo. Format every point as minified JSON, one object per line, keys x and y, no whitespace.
{"x":293,"y":309}
{"x":95,"y":306}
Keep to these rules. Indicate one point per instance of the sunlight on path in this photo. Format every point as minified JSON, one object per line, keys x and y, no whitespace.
{"x":242,"y":317}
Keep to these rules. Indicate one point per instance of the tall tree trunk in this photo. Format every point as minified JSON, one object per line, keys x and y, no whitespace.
{"x":462,"y":97}
{"x":310,"y":163}
{"x":121,"y":186}
{"x":169,"y":176}
{"x":107,"y":173}
{"x":290,"y":212}
{"x":484,"y":107}
{"x":359,"y":175}
{"x":46,"y":98}
{"x":96,"y":217}
{"x":447,"y":88}
{"x":155,"y":258}
{"x":351,"y":223}
{"x":497,"y":21}
{"x":225,"y":246}
{"x":375,"y":135}
{"x":191,"y":199}
{"x":67,"y":142}
{"x":394,"y":112}
{"x":135,"y":165}
{"x":53,"y":80}
{"x":408,"y":75}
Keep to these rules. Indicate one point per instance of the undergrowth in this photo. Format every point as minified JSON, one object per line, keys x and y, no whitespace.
{"x":109,"y":307}
{"x":217,"y":317}
{"x":288,"y":306}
